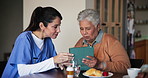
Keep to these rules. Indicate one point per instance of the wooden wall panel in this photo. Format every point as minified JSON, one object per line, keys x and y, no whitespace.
{"x":111,"y":12}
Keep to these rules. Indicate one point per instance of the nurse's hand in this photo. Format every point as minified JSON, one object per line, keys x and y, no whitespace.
{"x":63,"y":58}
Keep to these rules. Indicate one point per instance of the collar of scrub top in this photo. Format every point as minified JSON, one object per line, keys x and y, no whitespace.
{"x":97,"y":40}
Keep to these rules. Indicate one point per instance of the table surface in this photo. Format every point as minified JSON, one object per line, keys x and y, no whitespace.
{"x":57,"y":73}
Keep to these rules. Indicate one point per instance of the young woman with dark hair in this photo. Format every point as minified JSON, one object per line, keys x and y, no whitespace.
{"x":34,"y":50}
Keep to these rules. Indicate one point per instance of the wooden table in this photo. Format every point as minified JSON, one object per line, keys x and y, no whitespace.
{"x":57,"y":73}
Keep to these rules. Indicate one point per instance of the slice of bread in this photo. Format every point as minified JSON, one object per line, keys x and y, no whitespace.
{"x":90,"y":71}
{"x":98,"y":73}
{"x":93,"y":72}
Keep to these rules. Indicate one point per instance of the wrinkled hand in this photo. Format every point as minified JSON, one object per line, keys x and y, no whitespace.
{"x":93,"y":62}
{"x":63,"y":58}
{"x":142,"y":75}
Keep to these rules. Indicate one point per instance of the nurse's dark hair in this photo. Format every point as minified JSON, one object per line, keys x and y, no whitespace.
{"x":42,"y":14}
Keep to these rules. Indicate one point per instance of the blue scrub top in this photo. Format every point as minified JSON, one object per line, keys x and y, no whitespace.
{"x":25,"y":51}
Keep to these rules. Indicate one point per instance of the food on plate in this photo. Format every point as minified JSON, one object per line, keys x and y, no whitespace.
{"x":93,"y":72}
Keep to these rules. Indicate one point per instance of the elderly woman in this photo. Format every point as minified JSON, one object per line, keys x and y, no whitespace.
{"x":109,"y":54}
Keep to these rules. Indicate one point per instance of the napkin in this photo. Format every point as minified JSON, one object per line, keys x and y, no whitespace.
{"x":144,"y":68}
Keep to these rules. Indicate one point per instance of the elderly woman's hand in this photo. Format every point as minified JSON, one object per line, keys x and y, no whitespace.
{"x":63,"y":58}
{"x":142,"y":75}
{"x":93,"y":62}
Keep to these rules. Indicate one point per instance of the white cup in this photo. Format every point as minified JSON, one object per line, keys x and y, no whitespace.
{"x":133,"y":72}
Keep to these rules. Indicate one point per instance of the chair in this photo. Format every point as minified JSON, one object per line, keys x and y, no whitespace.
{"x":136,"y":63}
{"x":2,"y":66}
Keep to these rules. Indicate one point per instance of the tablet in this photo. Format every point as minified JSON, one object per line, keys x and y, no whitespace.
{"x":80,"y":53}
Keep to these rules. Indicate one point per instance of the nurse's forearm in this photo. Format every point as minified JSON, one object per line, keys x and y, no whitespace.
{"x":25,"y":69}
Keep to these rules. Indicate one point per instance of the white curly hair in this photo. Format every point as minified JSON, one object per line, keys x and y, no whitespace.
{"x":90,"y":15}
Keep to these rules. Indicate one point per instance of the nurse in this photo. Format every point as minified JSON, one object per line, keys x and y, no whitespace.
{"x":34,"y":51}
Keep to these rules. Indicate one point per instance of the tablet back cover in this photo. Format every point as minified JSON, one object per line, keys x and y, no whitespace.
{"x":80,"y":53}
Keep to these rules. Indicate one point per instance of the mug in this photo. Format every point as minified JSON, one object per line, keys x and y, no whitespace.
{"x":133,"y":72}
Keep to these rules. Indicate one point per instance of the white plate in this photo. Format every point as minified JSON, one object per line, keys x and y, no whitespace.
{"x":110,"y":74}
